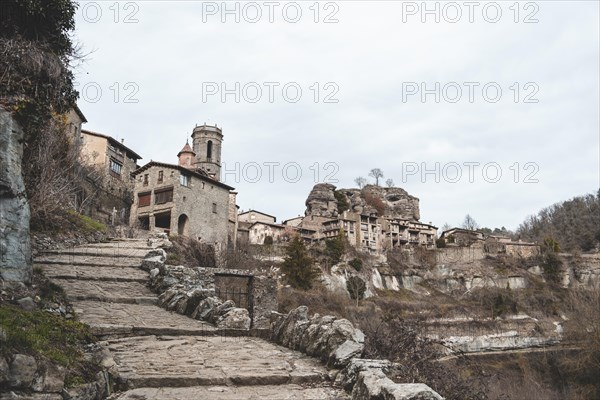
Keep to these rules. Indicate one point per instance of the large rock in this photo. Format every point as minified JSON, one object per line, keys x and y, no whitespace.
{"x":321,"y":201}
{"x":236,"y":318}
{"x":395,"y":201}
{"x":15,"y":249}
{"x":22,"y":371}
{"x":50,"y":378}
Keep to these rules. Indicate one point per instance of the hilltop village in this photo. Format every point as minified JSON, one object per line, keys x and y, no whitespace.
{"x":187,"y":198}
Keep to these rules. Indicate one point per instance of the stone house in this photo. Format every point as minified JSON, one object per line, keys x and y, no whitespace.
{"x":252,"y":216}
{"x":259,"y":231}
{"x":296,"y":221}
{"x":188,"y":199}
{"x":461,"y":237}
{"x":177,"y":200}
{"x":109,"y":195}
{"x":74,"y":121}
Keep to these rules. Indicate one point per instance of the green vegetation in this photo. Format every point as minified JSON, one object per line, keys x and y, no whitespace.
{"x":42,"y":333}
{"x":86,"y":223}
{"x":268,"y":241}
{"x":342,"y":201}
{"x":356,"y":263}
{"x":440,"y":243}
{"x":298,"y":266}
{"x":336,"y":247}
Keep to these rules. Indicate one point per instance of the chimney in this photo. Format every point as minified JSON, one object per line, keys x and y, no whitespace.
{"x":122,"y":141}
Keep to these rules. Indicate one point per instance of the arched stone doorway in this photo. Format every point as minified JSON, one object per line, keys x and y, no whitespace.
{"x":183,"y":224}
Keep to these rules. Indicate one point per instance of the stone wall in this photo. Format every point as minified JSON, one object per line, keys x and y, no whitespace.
{"x":335,"y":341}
{"x":450,"y":255}
{"x":15,"y":249}
{"x":192,"y":292}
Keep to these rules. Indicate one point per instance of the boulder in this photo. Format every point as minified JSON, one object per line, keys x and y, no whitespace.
{"x":22,"y":371}
{"x":27,"y":304}
{"x":235,"y":318}
{"x":348,"y":376}
{"x":50,"y":378}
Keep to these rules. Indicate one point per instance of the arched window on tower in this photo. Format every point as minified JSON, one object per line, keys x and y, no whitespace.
{"x":209,"y":149}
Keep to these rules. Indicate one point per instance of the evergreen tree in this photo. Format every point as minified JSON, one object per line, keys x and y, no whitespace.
{"x":298,"y":266}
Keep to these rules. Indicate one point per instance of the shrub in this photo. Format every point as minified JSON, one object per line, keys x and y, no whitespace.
{"x":551,"y":264}
{"x":342,"y":201}
{"x":440,"y":243}
{"x":268,"y":240}
{"x":356,"y":287}
{"x":356,"y":263}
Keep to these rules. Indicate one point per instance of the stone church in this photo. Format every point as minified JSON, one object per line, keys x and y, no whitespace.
{"x":188,"y":198}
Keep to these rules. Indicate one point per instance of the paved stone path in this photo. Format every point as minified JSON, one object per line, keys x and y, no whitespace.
{"x":164,"y":355}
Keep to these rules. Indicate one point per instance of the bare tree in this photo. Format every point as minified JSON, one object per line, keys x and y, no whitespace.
{"x":469,"y":223}
{"x":389,"y":182}
{"x":376,"y":173}
{"x":360,"y":182}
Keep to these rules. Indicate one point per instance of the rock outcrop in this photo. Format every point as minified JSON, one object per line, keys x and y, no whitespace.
{"x":15,"y":250}
{"x":394,"y":202}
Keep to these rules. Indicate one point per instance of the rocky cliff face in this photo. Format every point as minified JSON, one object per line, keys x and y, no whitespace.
{"x":394,"y":202}
{"x":15,"y":251}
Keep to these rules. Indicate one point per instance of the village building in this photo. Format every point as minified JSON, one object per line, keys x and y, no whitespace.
{"x":461,"y":237}
{"x":296,"y":221}
{"x":74,"y":122}
{"x":188,"y":199}
{"x":252,"y":216}
{"x":109,"y":195}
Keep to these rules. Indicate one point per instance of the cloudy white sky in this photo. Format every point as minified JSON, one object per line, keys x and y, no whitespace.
{"x":156,"y":62}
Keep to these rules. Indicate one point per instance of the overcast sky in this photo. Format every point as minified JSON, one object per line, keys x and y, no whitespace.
{"x":331,"y":90}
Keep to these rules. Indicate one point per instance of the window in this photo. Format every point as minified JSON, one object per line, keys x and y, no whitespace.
{"x":214,"y":208}
{"x":145,"y":179}
{"x":163,"y":196}
{"x":115,"y":167}
{"x":144,"y":199}
{"x":160,"y":176}
{"x":209,"y":146}
{"x":184,"y":180}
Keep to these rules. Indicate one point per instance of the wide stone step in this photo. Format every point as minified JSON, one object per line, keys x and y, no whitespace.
{"x":99,"y":251}
{"x":69,"y":259}
{"x":87,"y":272}
{"x":187,"y":361}
{"x":109,"y":291}
{"x":271,"y":392}
{"x":117,"y":319}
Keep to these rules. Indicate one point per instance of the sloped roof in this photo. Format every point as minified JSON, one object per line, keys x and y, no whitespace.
{"x":198,"y":173}
{"x":186,"y":149}
{"x":115,"y":143}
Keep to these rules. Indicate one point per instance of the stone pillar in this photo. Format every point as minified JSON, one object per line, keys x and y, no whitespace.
{"x":15,"y":249}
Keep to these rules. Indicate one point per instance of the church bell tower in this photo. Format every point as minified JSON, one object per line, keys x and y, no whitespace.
{"x":207,"y":141}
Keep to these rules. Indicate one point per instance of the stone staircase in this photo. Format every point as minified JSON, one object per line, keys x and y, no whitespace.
{"x":164,"y":355}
